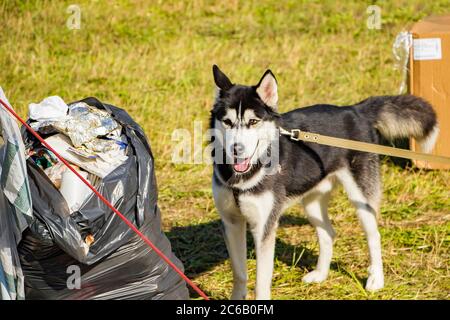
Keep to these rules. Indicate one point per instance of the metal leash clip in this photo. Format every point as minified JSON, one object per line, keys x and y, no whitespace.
{"x":295,"y":134}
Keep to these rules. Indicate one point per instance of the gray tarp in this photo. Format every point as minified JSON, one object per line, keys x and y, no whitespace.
{"x":15,"y":203}
{"x":11,"y":277}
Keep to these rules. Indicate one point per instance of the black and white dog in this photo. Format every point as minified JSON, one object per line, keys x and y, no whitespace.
{"x":250,"y":191}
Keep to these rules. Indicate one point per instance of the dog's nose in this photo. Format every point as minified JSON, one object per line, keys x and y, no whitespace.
{"x":238,"y":149}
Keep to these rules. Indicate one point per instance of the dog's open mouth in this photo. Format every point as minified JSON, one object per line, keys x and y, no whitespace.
{"x":241,"y":165}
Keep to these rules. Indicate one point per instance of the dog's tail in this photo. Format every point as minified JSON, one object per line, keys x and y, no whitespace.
{"x":402,"y":116}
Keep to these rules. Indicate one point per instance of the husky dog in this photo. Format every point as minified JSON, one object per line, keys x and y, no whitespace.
{"x":248,"y":191}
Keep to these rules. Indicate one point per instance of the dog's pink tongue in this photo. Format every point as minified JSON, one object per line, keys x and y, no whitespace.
{"x":242,"y":165}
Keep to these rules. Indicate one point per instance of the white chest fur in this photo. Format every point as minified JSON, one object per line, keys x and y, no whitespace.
{"x":256,"y":208}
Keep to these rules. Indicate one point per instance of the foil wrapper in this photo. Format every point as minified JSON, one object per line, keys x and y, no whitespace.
{"x":82,"y":125}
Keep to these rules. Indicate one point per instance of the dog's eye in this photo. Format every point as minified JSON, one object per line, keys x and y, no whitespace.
{"x":227,"y":122}
{"x":253,"y":122}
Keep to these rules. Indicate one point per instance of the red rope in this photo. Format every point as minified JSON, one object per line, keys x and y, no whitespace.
{"x":117,"y":212}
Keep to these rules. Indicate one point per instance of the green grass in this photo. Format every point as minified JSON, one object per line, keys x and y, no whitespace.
{"x":154,"y":59}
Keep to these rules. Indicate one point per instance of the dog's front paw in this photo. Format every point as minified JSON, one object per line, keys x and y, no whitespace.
{"x":375,"y":280}
{"x":315,"y":276}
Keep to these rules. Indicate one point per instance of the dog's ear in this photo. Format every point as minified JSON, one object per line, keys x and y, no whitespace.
{"x":267,"y":89}
{"x":221,"y":80}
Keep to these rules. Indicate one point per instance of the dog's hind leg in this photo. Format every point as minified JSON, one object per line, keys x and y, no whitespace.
{"x":316,"y":204}
{"x":364,"y":190}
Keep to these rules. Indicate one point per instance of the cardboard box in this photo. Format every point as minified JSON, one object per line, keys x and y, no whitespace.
{"x":429,"y":77}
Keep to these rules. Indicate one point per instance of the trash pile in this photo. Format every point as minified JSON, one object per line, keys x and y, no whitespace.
{"x":85,"y":136}
{"x":72,"y":230}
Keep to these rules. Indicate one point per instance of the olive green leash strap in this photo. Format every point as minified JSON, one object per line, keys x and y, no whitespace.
{"x":298,"y":135}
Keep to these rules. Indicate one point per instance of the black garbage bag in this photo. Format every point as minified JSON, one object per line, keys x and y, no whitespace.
{"x":119,"y":265}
